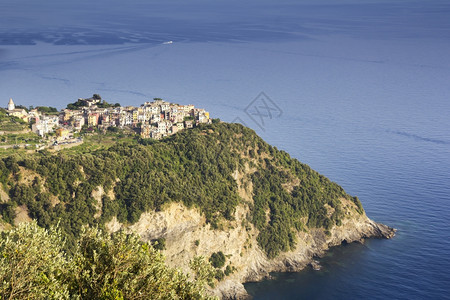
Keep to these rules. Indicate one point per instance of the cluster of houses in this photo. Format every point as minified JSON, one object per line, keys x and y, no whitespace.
{"x":155,"y":119}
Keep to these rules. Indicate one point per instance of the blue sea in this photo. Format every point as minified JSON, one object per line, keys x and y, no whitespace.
{"x":358,"y":90}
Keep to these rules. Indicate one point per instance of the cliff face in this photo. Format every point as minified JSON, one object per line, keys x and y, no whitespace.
{"x":188,"y":235}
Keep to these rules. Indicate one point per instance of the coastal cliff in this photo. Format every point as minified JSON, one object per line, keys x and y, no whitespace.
{"x":181,"y":227}
{"x":214,"y":191}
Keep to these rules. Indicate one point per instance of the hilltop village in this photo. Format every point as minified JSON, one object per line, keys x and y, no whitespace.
{"x":156,"y":119}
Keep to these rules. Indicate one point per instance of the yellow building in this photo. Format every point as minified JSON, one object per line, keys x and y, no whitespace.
{"x":62,"y":133}
{"x":19,"y":113}
{"x":92,"y":119}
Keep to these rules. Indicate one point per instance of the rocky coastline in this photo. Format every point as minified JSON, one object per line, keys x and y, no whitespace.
{"x":182,"y":227}
{"x":296,"y":260}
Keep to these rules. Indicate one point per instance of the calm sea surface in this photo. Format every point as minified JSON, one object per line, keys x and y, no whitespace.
{"x":360,"y":92}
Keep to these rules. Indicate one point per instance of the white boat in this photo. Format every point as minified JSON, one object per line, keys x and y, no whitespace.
{"x":167,"y":43}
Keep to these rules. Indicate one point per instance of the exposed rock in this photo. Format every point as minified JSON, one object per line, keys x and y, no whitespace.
{"x":27,"y":176}
{"x":182,"y":227}
{"x":54,"y":200}
{"x":315,"y":265}
{"x":97,"y":194}
{"x":229,"y":289}
{"x":21,"y":215}
{"x":114,"y":225}
{"x":4,"y":226}
{"x":4,"y":197}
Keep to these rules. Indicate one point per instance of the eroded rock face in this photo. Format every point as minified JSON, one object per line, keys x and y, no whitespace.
{"x":229,"y":289}
{"x":187,"y":235}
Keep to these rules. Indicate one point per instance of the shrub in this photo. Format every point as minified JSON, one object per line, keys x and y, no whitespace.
{"x":219,"y":275}
{"x":217,"y":259}
{"x":33,"y":265}
{"x":203,"y":270}
{"x":159,"y":244}
{"x":228,"y":270}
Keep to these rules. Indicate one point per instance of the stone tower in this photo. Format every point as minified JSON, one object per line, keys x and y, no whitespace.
{"x":11,"y":105}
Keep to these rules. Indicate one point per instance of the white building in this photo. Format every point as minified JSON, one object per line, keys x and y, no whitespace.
{"x":11,"y":105}
{"x":45,"y":124}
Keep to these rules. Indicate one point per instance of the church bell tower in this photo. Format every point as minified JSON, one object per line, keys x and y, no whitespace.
{"x":11,"y":105}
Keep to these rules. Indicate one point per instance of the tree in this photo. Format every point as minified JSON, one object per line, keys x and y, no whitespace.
{"x":159,"y":244}
{"x":113,"y":129}
{"x":32,"y":264}
{"x":122,"y":267}
{"x":217,"y":259}
{"x":47,"y":109}
{"x":22,"y":107}
{"x":203,"y":270}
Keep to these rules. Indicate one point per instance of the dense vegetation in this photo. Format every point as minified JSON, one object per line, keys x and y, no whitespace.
{"x":47,"y":109}
{"x":33,"y":265}
{"x":82,"y":103}
{"x":194,"y":167}
{"x":217,"y":259}
{"x":307,"y":201}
